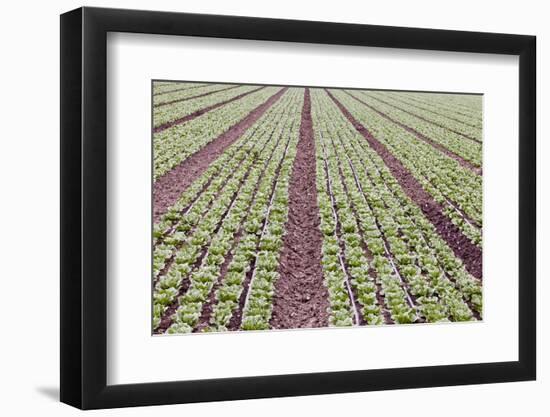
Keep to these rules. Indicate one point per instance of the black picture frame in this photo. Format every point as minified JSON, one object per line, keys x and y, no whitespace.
{"x":84,"y":207}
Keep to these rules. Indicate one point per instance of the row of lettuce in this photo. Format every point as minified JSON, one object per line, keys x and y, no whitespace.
{"x":230,"y":222}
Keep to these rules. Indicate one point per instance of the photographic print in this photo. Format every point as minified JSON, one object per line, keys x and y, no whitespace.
{"x":280,"y":207}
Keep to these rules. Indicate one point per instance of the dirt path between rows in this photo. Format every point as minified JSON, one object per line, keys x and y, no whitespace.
{"x":169,"y":187}
{"x":301,"y":299}
{"x":466,"y":164}
{"x":200,"y":112}
{"x":179,"y":100}
{"x":462,"y":247}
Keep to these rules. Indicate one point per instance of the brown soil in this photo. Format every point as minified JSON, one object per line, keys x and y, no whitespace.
{"x":179,"y":100}
{"x":169,"y":187}
{"x":352,"y":292}
{"x":427,"y":120}
{"x":179,"y":89}
{"x":462,"y":247}
{"x":201,"y":111}
{"x":466,"y":164}
{"x":300,"y":296}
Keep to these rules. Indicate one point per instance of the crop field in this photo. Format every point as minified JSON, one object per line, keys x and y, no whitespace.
{"x":283,"y":207}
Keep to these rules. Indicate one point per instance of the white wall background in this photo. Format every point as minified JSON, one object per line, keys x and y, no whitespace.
{"x":29,"y":171}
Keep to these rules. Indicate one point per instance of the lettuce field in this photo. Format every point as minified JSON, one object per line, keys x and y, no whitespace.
{"x":301,"y":207}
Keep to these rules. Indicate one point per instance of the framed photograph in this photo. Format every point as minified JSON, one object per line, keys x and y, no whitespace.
{"x":256,"y":207}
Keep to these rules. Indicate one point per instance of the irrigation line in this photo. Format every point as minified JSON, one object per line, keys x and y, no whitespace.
{"x":266,"y":222}
{"x":342,"y":264}
{"x":160,"y":93}
{"x":386,"y":249}
{"x":382,"y":305}
{"x":460,"y":213}
{"x":473,"y":224}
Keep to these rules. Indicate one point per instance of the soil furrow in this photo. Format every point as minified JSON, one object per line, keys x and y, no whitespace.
{"x":462,"y":247}
{"x":301,"y":299}
{"x":179,"y":100}
{"x":202,"y":111}
{"x":466,"y":164}
{"x":169,"y":187}
{"x":427,"y":120}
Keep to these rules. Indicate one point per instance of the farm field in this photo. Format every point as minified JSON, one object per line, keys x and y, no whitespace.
{"x":303,"y":207}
